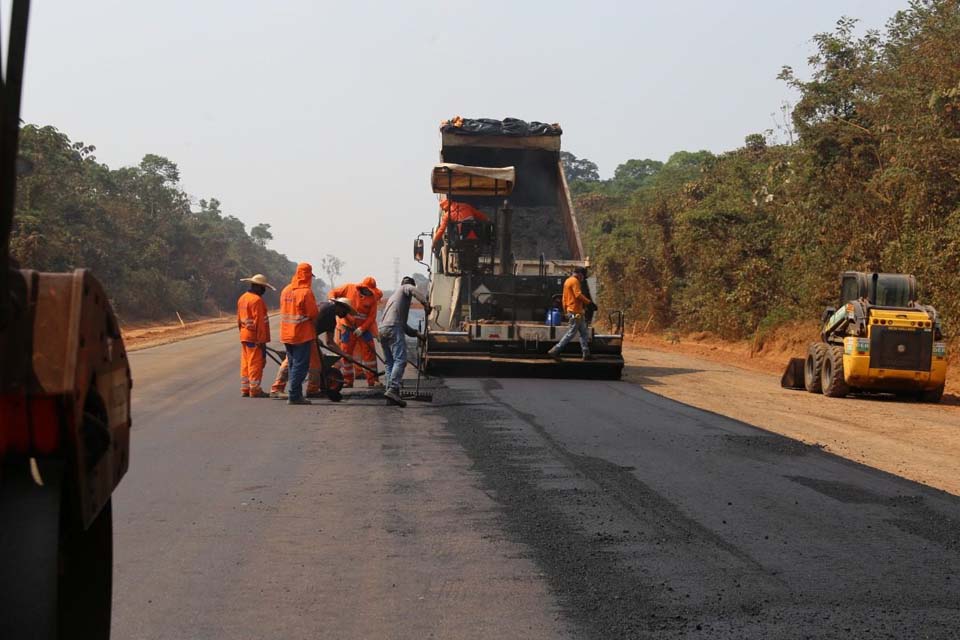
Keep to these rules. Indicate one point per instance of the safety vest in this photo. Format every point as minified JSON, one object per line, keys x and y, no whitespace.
{"x":252,"y":319}
{"x":298,"y":309}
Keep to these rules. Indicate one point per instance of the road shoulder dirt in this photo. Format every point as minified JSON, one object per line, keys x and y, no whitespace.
{"x":915,"y":441}
{"x":144,"y":336}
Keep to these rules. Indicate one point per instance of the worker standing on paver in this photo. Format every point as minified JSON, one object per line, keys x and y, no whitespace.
{"x":327,"y":314}
{"x":254,"y":328}
{"x":356,"y":333}
{"x":574,"y":304}
{"x":393,"y":332}
{"x":298,"y":313}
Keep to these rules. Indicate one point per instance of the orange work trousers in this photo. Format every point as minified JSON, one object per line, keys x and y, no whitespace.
{"x":252,"y":359}
{"x":361,"y":350}
{"x":365,"y":351}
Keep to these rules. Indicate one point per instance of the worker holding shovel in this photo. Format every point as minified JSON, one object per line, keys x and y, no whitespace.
{"x":393,"y":332}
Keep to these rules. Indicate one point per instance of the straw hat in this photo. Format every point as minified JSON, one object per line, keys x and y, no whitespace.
{"x":345,"y":302}
{"x":259,"y":279}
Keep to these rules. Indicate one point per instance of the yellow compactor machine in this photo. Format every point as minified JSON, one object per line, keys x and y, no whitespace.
{"x":879,"y":339}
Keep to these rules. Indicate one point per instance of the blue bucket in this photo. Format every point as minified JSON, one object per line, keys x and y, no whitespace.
{"x":554,"y":318}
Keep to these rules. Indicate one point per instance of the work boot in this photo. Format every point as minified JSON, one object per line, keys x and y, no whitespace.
{"x":278,"y":394}
{"x":554,"y":353}
{"x":258,"y":393}
{"x":393,"y":396}
{"x":244,"y":394}
{"x":298,"y":401}
{"x":586,"y":355}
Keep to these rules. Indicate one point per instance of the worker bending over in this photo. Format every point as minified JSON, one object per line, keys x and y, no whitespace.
{"x":298,"y":313}
{"x":455,"y":212}
{"x":356,"y":333}
{"x":393,"y":332}
{"x":574,"y":304}
{"x":326,"y":323}
{"x":254,"y":328}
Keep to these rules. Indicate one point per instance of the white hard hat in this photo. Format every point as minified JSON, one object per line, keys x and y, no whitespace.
{"x":345,"y":302}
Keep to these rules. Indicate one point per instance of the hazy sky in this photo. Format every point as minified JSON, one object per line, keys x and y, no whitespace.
{"x":321,"y":118}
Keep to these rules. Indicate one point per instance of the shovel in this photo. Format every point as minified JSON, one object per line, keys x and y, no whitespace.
{"x":336,"y":351}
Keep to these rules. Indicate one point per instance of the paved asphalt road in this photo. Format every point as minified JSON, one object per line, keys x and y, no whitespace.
{"x":506,"y":509}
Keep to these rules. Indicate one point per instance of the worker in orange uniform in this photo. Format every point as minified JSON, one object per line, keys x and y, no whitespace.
{"x":298,"y":312}
{"x":366,"y":332}
{"x":254,"y":328}
{"x":325,"y":325}
{"x":356,"y":333}
{"x":454,"y":211}
{"x":574,"y":304}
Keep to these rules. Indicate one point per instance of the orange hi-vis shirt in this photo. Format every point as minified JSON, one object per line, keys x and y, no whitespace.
{"x":298,"y":308}
{"x":252,"y":319}
{"x":573,"y":298}
{"x":365,"y":306}
{"x":457,"y":212}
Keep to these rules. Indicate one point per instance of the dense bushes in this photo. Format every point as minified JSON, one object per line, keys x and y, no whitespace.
{"x":135,"y":228}
{"x":757,"y":236}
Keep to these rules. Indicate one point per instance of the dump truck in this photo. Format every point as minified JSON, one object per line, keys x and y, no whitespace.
{"x":495,"y":284}
{"x":64,"y":421}
{"x":879,"y":338}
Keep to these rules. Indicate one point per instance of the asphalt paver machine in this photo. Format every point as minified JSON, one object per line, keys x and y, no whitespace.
{"x":495,"y":284}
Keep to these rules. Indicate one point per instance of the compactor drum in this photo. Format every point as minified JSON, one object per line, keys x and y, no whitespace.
{"x":878,"y":339}
{"x":64,"y":422}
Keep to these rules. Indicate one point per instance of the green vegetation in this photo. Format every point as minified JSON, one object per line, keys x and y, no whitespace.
{"x":136,"y":229}
{"x":868,"y":178}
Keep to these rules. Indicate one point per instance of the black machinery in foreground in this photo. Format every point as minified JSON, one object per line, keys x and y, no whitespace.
{"x":64,"y":421}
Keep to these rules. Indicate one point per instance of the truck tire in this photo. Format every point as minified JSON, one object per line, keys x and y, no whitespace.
{"x":813,"y":366}
{"x":932,"y":396}
{"x":831,"y":379}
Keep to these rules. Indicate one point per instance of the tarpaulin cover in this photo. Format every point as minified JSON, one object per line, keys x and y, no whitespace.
{"x":458,"y":179}
{"x":505,"y":127}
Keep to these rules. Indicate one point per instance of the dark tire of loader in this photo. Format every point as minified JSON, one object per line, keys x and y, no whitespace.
{"x":931,"y":396}
{"x":813,"y":367}
{"x":831,"y":379}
